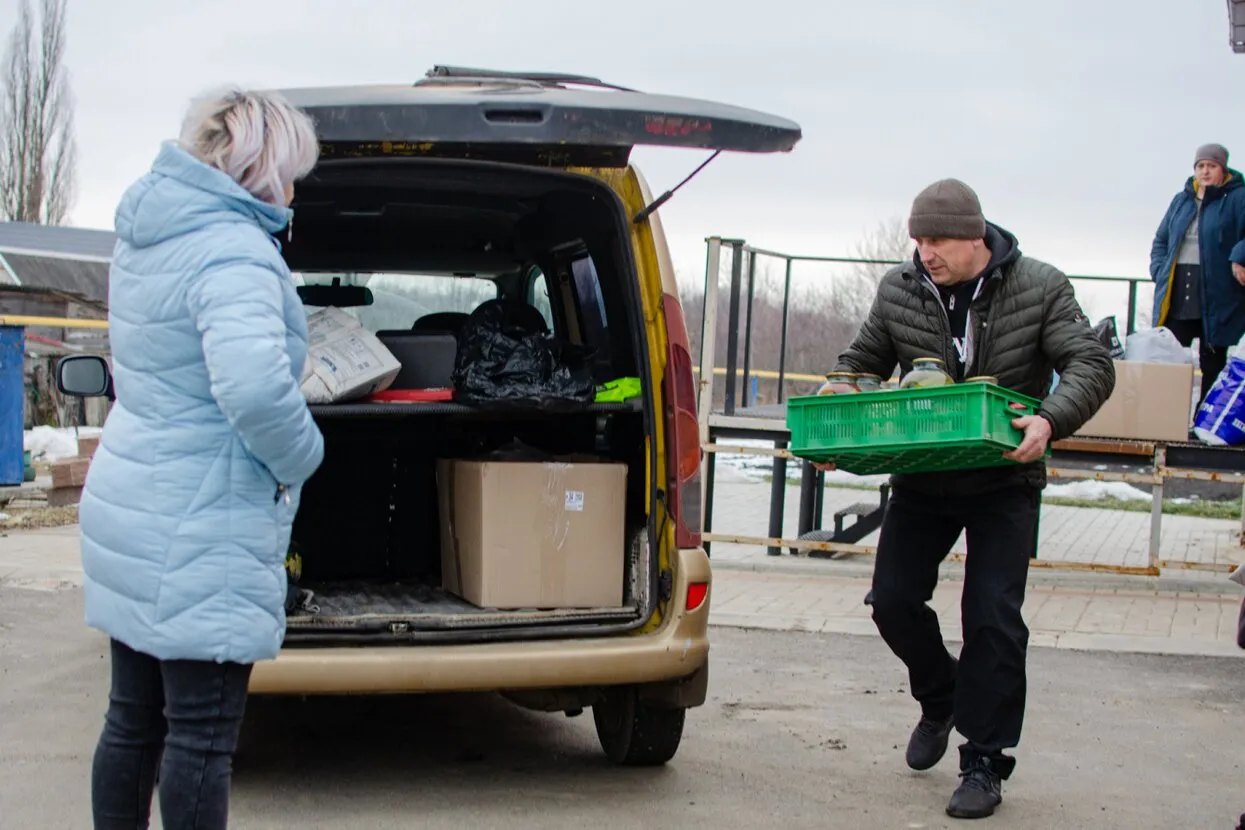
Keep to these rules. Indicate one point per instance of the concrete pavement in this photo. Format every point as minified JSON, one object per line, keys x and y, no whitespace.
{"x":800,"y":731}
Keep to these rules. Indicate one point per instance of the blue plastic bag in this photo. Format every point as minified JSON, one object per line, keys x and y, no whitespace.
{"x":1220,"y":419}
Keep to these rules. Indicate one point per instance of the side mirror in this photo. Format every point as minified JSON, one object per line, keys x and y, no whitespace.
{"x":84,"y":376}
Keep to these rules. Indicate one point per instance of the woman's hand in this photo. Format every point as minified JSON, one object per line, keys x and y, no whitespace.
{"x":1238,"y":271}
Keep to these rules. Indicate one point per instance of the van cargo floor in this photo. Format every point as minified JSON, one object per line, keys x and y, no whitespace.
{"x":362,"y":604}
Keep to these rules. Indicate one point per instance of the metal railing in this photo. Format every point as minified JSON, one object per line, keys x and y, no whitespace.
{"x":738,"y":419}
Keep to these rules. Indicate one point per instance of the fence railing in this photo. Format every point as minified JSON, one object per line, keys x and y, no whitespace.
{"x":740,"y":371}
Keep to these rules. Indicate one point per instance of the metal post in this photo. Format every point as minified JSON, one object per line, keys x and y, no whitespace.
{"x":777,"y":497}
{"x":1131,"y":325}
{"x":732,"y":322}
{"x":820,"y":484}
{"x":782,"y":348}
{"x":711,"y":466}
{"x":808,"y":499}
{"x":1156,"y":506}
{"x":12,"y":404}
{"x":708,"y":351}
{"x":749,"y":400}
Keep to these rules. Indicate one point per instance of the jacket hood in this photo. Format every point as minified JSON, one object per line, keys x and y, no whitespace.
{"x":1234,"y":180}
{"x":182,"y":194}
{"x":1004,"y":251}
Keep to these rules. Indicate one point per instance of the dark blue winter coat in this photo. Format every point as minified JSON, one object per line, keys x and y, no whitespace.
{"x":1221,"y":237}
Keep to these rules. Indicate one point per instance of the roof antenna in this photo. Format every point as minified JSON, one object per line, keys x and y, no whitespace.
{"x":665,"y":197}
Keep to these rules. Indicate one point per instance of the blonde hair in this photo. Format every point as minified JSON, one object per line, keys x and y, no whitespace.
{"x":258,"y":139}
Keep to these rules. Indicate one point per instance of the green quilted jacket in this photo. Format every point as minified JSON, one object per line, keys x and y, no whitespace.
{"x":1025,"y":323}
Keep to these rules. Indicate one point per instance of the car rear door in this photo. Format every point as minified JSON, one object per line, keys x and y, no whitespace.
{"x":529,"y":118}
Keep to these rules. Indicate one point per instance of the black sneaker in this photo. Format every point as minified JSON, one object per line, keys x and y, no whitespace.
{"x":979,"y":793}
{"x":929,"y":742}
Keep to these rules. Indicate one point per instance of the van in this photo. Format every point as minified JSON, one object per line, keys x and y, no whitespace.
{"x":430,"y":200}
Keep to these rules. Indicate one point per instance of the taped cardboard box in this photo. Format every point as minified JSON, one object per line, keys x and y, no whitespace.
{"x":344,"y":360}
{"x":520,"y":534}
{"x":1151,"y":402}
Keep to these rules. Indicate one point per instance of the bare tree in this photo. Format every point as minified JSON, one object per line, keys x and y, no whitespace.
{"x":37,"y":152}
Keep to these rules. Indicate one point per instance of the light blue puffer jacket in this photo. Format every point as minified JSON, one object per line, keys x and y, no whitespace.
{"x":188,"y":503}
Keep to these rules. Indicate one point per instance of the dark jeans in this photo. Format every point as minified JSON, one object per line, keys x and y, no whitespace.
{"x":985,"y":689}
{"x":178,"y":716}
{"x":1211,"y":359}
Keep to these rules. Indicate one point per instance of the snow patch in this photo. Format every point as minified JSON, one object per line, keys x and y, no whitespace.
{"x":54,"y":443}
{"x":1097,"y":491}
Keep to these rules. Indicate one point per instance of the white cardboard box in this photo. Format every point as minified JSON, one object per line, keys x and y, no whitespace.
{"x":345,"y":361}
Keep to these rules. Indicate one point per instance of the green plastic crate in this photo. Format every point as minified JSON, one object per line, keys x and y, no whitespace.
{"x":959,"y":427}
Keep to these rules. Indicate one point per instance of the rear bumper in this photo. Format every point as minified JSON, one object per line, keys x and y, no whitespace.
{"x":675,"y":650}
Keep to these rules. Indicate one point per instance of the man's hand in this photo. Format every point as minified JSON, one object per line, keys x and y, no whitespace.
{"x":1037,"y":435}
{"x":824,"y":466}
{"x":1238,"y":271}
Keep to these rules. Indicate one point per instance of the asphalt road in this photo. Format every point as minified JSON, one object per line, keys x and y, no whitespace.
{"x":801,"y":731}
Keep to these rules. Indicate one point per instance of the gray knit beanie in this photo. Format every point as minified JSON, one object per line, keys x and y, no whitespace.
{"x":948,"y":209}
{"x":1212,"y":152}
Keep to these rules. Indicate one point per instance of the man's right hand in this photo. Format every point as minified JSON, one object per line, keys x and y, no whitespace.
{"x":824,"y":466}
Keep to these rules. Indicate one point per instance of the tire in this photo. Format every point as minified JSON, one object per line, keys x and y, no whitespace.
{"x":634,"y":734}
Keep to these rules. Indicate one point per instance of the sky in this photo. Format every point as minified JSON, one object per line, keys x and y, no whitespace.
{"x":1076,"y":121}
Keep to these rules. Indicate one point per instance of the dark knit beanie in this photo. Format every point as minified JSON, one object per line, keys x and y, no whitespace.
{"x":1212,"y":152}
{"x":947,"y":209}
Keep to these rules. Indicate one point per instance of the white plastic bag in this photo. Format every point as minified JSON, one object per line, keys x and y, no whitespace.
{"x":1155,"y":346}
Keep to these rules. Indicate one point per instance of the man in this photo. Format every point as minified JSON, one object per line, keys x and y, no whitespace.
{"x":970,"y":298}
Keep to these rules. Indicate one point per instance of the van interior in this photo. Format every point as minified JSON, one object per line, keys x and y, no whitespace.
{"x":430,"y":240}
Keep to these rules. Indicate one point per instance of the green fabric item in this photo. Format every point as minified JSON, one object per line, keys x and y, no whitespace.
{"x":617,"y":391}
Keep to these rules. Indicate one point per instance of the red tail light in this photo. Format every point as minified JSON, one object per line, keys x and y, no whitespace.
{"x":696,"y":593}
{"x":682,"y":430}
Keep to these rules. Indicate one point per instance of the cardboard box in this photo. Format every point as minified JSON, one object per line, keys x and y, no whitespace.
{"x":87,"y":445}
{"x":1151,"y":402}
{"x":518,"y":534}
{"x":344,"y":360}
{"x":70,"y":472}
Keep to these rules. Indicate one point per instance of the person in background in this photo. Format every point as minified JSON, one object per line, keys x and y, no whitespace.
{"x":189,"y":501}
{"x":970,"y":298}
{"x":1197,"y":261}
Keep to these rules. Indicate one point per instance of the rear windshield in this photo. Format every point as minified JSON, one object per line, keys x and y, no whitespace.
{"x":400,"y":300}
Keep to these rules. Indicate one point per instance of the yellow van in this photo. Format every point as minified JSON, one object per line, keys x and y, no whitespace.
{"x":431,"y":200}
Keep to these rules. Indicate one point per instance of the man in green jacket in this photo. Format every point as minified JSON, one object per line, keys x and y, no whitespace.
{"x":970,"y":298}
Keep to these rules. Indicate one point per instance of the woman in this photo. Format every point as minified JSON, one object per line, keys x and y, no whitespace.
{"x":1197,"y":261}
{"x":187,"y":508}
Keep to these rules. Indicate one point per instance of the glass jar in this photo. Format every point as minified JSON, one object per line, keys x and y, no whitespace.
{"x":868,"y":383}
{"x":839,"y":383}
{"x":991,"y":379}
{"x":926,"y":371}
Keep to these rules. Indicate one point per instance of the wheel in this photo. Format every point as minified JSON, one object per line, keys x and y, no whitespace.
{"x":633,"y":733}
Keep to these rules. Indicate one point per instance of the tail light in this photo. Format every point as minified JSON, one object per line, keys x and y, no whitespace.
{"x":696,"y":593}
{"x":682,"y":430}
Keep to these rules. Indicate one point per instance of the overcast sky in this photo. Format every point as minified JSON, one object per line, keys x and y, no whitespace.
{"x":1075,"y":120}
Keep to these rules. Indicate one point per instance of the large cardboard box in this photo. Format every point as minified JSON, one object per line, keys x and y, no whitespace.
{"x":518,"y":534}
{"x":1151,"y":402}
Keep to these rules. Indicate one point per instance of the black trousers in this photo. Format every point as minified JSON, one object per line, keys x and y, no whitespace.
{"x":1212,"y":359}
{"x":985,"y":688}
{"x":180,"y":717}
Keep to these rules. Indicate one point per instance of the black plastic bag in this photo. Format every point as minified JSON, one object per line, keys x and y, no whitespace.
{"x":506,"y":356}
{"x":1109,"y":336}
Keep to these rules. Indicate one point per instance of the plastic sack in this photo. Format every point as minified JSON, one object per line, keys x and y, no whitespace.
{"x":1220,"y":419}
{"x":506,"y":356}
{"x":1156,"y":346}
{"x":1109,"y":335}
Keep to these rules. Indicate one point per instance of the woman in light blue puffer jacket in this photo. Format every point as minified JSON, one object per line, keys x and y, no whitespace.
{"x":190,"y":497}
